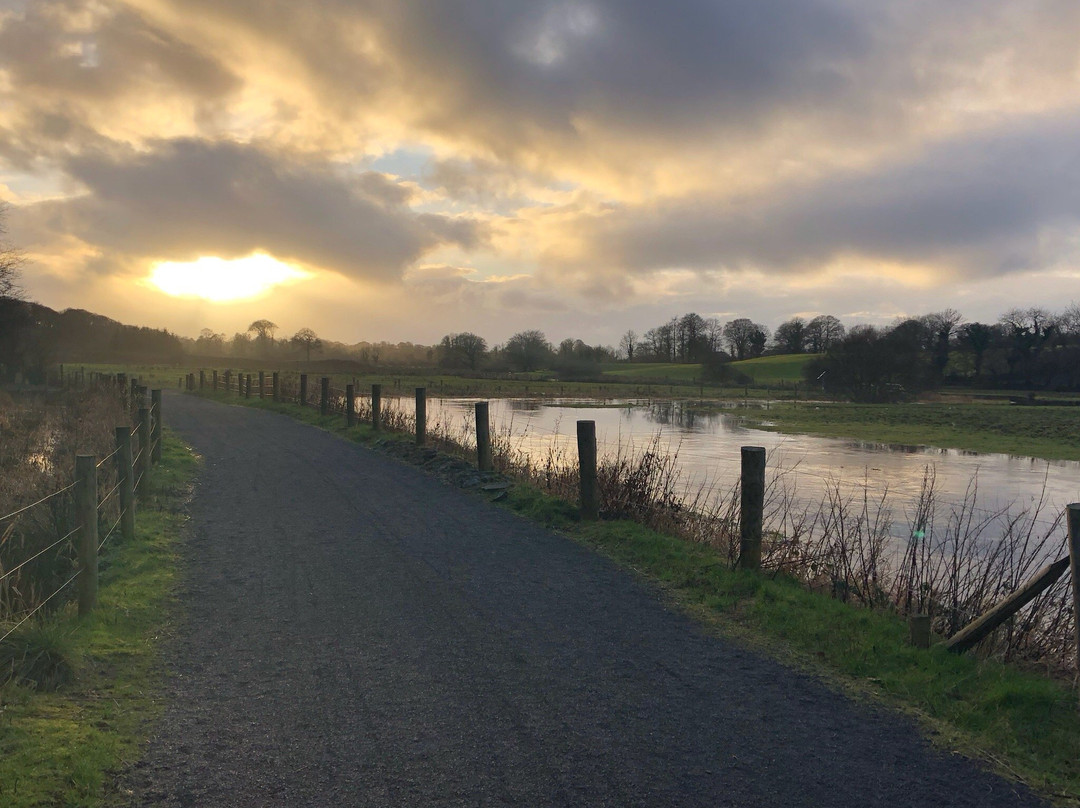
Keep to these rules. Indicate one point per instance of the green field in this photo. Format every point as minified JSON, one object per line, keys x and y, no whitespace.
{"x":1052,"y":433}
{"x":766,"y":371}
{"x":774,"y":370}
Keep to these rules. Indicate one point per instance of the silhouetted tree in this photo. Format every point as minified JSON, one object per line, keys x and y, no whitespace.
{"x":527,"y":350}
{"x":823,"y":331}
{"x":628,"y":343}
{"x":462,"y":350}
{"x":790,"y":336}
{"x":745,"y":338}
{"x":308,"y":340}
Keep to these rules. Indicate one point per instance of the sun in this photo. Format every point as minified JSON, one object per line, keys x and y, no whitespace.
{"x":221,"y":280}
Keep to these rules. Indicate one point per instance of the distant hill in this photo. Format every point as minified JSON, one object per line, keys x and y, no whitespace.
{"x":33,"y":337}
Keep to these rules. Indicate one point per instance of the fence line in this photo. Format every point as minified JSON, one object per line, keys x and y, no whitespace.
{"x":87,"y":557}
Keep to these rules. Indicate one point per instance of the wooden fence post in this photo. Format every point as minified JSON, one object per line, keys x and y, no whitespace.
{"x":247,"y":391}
{"x":277,"y":386}
{"x":303,"y":389}
{"x":483,"y":437}
{"x":144,"y":448}
{"x":86,"y":512}
{"x":376,"y":406}
{"x":155,"y":431}
{"x":125,"y":475}
{"x":324,"y":396}
{"x":228,"y":379}
{"x":970,"y":635}
{"x":421,"y":416}
{"x":919,"y":630}
{"x":350,"y":406}
{"x":586,"y":447}
{"x":202,"y":380}
{"x":213,"y":387}
{"x":752,"y":507}
{"x":262,"y":384}
{"x":1074,"y":563}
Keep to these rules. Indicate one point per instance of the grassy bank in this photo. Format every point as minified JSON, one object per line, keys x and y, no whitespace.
{"x":1046,"y":432}
{"x":1022,"y":723}
{"x":60,"y":748}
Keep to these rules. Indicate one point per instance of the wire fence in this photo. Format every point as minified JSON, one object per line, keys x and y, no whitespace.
{"x":101,"y":493}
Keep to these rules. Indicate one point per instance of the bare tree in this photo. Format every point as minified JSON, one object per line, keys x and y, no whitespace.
{"x":308,"y":340}
{"x":11,"y":261}
{"x":745,"y":338}
{"x":628,"y":343}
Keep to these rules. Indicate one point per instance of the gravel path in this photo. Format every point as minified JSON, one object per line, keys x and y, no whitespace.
{"x":358,"y":633}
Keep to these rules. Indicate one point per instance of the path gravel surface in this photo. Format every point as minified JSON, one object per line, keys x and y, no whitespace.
{"x":358,"y":633}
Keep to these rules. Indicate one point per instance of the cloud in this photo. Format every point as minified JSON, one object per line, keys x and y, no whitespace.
{"x":967,"y":207}
{"x":186,"y":198}
{"x":608,"y":151}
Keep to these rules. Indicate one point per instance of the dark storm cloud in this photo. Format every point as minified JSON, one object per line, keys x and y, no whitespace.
{"x":976,"y":206}
{"x":186,"y":198}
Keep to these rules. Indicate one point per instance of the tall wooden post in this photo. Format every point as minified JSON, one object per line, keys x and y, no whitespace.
{"x":228,"y":380}
{"x":324,"y":396}
{"x":144,"y":447}
{"x":262,"y":384}
{"x":155,"y":431}
{"x":86,"y":512}
{"x":247,"y":392}
{"x":483,"y":437}
{"x":215,"y":382}
{"x":1074,"y":564}
{"x":421,"y":416}
{"x":276,"y":386}
{"x":125,"y":475}
{"x":376,"y":407}
{"x":350,"y":405}
{"x":134,"y":393}
{"x":752,"y":507}
{"x":202,"y":380}
{"x":586,"y":446}
{"x":303,"y":389}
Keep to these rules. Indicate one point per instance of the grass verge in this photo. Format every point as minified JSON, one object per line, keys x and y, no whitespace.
{"x":1023,"y":724}
{"x":1046,"y":432}
{"x":59,"y":748}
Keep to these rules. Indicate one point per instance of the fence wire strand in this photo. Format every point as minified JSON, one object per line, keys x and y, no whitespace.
{"x":41,"y":552}
{"x":111,"y":494}
{"x":111,"y":530}
{"x":107,"y":457}
{"x":35,"y":504}
{"x":38,"y":608}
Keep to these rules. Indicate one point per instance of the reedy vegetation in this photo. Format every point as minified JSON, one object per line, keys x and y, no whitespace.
{"x":957,"y":560}
{"x":39,"y":438}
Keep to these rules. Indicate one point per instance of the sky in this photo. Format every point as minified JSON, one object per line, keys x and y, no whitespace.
{"x":402,"y":169}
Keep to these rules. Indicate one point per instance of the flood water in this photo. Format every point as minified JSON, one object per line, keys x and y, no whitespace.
{"x":708,"y":446}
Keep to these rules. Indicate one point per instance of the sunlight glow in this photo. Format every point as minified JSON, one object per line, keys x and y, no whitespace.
{"x":220,"y":281}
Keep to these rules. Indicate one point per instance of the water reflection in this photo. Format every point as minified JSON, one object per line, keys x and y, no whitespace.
{"x":708,"y":445}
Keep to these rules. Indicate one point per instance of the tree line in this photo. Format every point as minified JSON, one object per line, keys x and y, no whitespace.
{"x":1026,"y":349}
